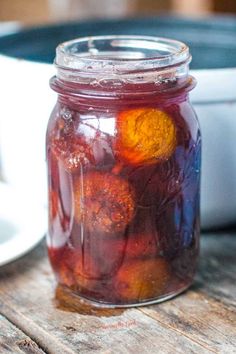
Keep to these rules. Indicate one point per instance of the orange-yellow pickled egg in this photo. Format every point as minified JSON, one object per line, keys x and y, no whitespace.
{"x":142,"y":279}
{"x":145,"y":135}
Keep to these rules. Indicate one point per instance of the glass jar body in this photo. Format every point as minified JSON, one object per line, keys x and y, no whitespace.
{"x":124,"y":197}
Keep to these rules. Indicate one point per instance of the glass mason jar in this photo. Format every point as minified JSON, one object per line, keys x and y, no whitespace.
{"x":123,"y":154}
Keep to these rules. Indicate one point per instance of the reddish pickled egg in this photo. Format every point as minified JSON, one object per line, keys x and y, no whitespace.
{"x":104,"y":202}
{"x":137,"y":246}
{"x":70,"y":147}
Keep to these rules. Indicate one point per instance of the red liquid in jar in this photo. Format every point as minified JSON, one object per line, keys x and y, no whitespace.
{"x":124,"y":196}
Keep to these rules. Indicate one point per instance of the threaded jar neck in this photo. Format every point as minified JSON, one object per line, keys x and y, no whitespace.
{"x":110,"y":65}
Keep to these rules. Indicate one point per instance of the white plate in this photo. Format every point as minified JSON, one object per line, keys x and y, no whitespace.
{"x":22,"y":224}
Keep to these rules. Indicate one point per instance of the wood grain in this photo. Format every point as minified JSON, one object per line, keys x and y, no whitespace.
{"x":202,"y":320}
{"x":13,"y":340}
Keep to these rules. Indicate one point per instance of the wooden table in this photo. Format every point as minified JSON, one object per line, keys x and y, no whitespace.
{"x":202,"y":320}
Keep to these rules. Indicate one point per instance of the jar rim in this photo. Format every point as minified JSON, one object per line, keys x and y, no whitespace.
{"x":121,"y":54}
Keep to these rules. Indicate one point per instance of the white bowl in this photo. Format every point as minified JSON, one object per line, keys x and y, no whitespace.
{"x":214,"y":100}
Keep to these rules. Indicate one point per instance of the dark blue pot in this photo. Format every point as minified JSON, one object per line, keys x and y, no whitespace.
{"x":212,"y":40}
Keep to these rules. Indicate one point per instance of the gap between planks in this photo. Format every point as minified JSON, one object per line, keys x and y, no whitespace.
{"x":43,"y":339}
{"x":13,"y":340}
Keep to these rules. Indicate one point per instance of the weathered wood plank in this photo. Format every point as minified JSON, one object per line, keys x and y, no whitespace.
{"x":57,"y":331}
{"x":196,"y":322}
{"x":13,"y":340}
{"x":204,"y":320}
{"x":47,"y":341}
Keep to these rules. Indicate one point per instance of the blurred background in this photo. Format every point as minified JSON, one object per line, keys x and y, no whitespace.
{"x":30,"y":12}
